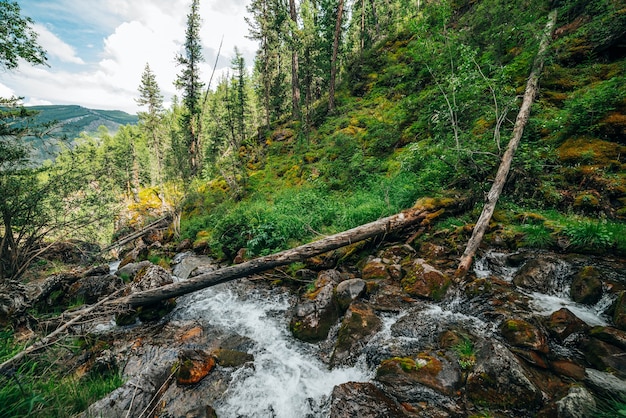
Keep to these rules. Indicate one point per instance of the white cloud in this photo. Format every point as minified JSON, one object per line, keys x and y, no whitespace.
{"x":55,"y":47}
{"x":139,"y":31}
{"x":33,"y":101}
{"x":6,"y":92}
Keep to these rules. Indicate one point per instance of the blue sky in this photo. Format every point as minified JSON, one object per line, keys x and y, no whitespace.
{"x":97,"y":49}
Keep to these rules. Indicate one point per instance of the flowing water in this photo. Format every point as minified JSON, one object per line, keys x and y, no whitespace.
{"x":287,"y":379}
{"x":558,"y":297}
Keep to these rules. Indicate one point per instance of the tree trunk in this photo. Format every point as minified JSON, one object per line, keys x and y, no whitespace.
{"x":295,"y":82}
{"x":505,"y":165}
{"x":333,"y":60}
{"x":360,"y":233}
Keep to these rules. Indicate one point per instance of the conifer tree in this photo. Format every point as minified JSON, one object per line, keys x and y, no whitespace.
{"x":189,"y":82}
{"x":150,"y":96}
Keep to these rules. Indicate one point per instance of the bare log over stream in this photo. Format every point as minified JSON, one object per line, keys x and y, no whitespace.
{"x":159,"y":223}
{"x":360,"y":233}
{"x":503,"y":171}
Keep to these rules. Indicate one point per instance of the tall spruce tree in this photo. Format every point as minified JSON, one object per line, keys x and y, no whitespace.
{"x":189,"y":82}
{"x":150,"y":120}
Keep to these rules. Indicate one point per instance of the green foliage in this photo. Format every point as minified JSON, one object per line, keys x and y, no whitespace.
{"x":536,"y":236}
{"x":18,"y":40}
{"x":38,"y":389}
{"x":588,"y":106}
{"x":589,"y":234}
{"x":465,"y":351}
{"x":611,"y":407}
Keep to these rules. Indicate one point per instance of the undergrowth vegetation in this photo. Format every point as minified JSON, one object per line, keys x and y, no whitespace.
{"x":429,"y":110}
{"x":40,"y":387}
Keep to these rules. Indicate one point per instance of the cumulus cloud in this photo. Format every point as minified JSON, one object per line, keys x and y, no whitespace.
{"x":134,"y":32}
{"x":55,"y":47}
{"x":6,"y":92}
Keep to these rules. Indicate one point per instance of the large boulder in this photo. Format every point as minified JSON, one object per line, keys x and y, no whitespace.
{"x":363,"y":400}
{"x":498,"y":379}
{"x":586,"y":286}
{"x":150,"y":277}
{"x":423,"y":280}
{"x":130,"y":270}
{"x":91,"y":288}
{"x":522,"y":334}
{"x":605,"y":356}
{"x":619,"y":317}
{"x":563,"y":323}
{"x":358,"y":326}
{"x":348,"y":291}
{"x":542,"y":274}
{"x":317,"y":309}
{"x":426,"y":368}
{"x":578,"y":403}
{"x":426,"y":378}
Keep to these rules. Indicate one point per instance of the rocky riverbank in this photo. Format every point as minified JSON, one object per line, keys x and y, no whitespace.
{"x":392,"y":334}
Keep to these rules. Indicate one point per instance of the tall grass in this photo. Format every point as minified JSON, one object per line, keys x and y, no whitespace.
{"x":40,"y":388}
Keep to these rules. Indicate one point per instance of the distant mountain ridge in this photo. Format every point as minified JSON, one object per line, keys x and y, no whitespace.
{"x":73,"y":119}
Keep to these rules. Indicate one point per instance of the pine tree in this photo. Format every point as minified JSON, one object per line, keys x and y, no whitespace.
{"x":150,"y":96}
{"x":189,"y":82}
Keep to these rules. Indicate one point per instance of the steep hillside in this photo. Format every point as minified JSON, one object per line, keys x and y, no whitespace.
{"x":73,"y":120}
{"x":70,"y":121}
{"x":429,"y":112}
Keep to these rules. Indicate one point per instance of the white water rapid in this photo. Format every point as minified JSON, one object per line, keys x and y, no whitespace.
{"x":287,"y":380}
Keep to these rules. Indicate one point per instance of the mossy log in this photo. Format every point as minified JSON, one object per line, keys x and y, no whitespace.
{"x":248,"y":268}
{"x":532,"y":86}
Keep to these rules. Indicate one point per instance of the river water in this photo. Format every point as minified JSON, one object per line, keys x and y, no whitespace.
{"x":287,"y":380}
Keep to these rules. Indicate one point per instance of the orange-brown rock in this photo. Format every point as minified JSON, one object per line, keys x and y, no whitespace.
{"x":193,"y":366}
{"x":568,"y":368}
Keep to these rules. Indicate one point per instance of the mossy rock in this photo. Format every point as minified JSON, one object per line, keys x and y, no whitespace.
{"x":426,"y":368}
{"x":231,"y":358}
{"x":586,"y":286}
{"x":422,"y":280}
{"x":619,"y":315}
{"x":522,"y":334}
{"x":588,"y":201}
{"x":590,"y":151}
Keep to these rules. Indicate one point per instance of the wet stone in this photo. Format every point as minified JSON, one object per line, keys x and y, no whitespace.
{"x":610,"y":335}
{"x":363,"y":400}
{"x":523,"y":334}
{"x":564,"y":323}
{"x":358,"y":326}
{"x":605,"y":356}
{"x":586,"y":286}
{"x":423,"y":280}
{"x":568,"y":368}
{"x":578,"y":403}
{"x":499,"y":380}
{"x":349,"y":290}
{"x":193,"y":366}
{"x":619,"y":317}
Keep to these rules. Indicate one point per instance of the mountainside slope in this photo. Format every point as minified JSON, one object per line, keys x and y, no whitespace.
{"x":429,"y":112}
{"x":73,"y":119}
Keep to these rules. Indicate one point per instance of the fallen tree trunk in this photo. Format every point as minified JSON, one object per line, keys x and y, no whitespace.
{"x":50,"y":338}
{"x":143,"y":231}
{"x":505,"y":165}
{"x":360,"y":233}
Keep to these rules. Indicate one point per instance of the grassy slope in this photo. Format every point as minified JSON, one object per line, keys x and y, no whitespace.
{"x":391,"y":139}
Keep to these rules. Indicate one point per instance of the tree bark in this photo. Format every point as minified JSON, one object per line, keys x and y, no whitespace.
{"x":505,"y":165}
{"x":360,"y":233}
{"x":145,"y":230}
{"x":50,"y":338}
{"x":295,"y":82}
{"x":333,"y":60}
